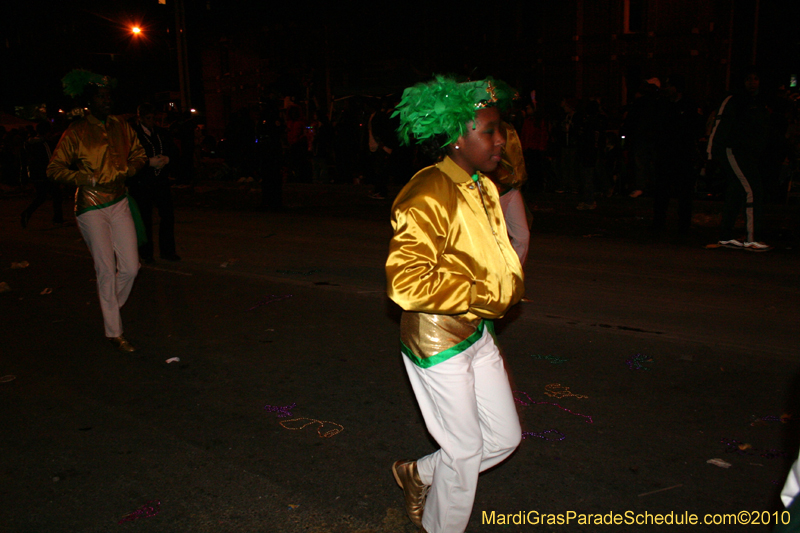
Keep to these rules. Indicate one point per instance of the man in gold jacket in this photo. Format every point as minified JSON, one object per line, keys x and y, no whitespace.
{"x":97,"y":154}
{"x":452,"y":269}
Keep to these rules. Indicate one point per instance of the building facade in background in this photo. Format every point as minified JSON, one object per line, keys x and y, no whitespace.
{"x":580,"y":48}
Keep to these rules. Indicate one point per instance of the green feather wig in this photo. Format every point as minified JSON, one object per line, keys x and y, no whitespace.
{"x":76,"y":81}
{"x":444,"y":107}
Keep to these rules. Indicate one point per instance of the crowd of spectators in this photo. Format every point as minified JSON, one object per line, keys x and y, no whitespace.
{"x":570,"y":146}
{"x":577,"y":147}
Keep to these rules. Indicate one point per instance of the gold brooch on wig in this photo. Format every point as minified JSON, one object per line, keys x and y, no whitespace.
{"x":492,"y":92}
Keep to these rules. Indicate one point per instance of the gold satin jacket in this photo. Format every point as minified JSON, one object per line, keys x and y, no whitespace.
{"x":450,"y":262}
{"x":97,"y":157}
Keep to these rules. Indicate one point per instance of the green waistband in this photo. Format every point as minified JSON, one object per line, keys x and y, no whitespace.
{"x":427,"y":362}
{"x":100,"y":206}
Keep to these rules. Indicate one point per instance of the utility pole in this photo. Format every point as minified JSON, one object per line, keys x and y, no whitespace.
{"x":578,"y":38}
{"x":730,"y":52}
{"x":755,"y":31}
{"x":328,"y":96}
{"x":183,"y":62}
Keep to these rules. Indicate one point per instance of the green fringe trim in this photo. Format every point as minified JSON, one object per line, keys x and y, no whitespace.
{"x":141,"y":234}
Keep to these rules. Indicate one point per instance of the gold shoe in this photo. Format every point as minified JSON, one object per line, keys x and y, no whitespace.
{"x":406,"y":475}
{"x":122,"y":344}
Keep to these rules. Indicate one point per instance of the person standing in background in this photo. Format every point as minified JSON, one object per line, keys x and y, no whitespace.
{"x":682,"y":126}
{"x":509,"y":176}
{"x":738,"y":140}
{"x":150,"y":186}
{"x":39,"y":150}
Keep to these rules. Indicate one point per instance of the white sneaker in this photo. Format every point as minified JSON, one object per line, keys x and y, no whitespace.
{"x":733,"y":243}
{"x":757,"y":247}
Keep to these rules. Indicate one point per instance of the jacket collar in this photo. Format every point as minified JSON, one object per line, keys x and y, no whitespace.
{"x":91,"y":119}
{"x":453,"y":171}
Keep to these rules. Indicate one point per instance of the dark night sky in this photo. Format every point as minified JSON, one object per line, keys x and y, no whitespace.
{"x":778,"y":39}
{"x":42,"y":40}
{"x":45,"y":39}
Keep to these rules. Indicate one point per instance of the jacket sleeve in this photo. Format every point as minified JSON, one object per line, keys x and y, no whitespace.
{"x":513,"y":150}
{"x":415,"y":280}
{"x":63,"y":157}
{"x":137,"y":158}
{"x":721,"y":133}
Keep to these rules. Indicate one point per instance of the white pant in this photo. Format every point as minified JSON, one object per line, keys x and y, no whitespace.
{"x":468,"y":408}
{"x":792,"y":485}
{"x":519,"y":232}
{"x":111,"y":237}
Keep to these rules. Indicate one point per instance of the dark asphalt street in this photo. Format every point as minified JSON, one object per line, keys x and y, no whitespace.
{"x":649,"y":357}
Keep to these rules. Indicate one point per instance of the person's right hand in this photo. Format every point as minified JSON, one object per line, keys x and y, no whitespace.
{"x":158,"y":162}
{"x":86,"y":179}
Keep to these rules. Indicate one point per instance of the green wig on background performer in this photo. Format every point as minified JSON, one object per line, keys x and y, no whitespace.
{"x":97,"y":153}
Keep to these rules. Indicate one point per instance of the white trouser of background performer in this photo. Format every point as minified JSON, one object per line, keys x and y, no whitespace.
{"x":519,"y":232}
{"x":111,"y":237}
{"x":792,"y":485}
{"x":469,"y":410}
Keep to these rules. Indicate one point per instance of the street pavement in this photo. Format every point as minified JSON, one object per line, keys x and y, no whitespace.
{"x":636,"y":360}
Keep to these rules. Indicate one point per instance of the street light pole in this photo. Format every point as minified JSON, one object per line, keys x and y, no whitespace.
{"x":183,"y":63}
{"x":755,"y":32}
